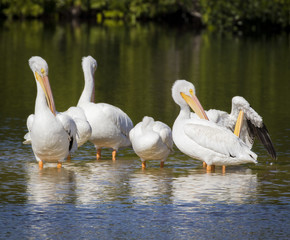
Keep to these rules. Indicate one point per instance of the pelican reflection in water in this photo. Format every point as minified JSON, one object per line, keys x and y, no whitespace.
{"x":233,"y":187}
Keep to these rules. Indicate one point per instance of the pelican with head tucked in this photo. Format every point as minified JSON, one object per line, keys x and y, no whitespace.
{"x":110,"y":125}
{"x":151,"y":140}
{"x":202,"y":139}
{"x":52,"y":134}
{"x":252,"y":125}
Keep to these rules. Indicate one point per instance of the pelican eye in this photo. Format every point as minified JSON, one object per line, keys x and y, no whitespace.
{"x":42,"y":71}
{"x":191,"y":91}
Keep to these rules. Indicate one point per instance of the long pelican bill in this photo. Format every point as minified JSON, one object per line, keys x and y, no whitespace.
{"x":44,"y":82}
{"x":195,"y":105}
{"x":239,"y":123}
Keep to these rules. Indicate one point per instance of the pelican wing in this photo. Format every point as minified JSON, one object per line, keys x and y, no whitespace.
{"x":84,"y":129}
{"x":165,"y":133}
{"x":263,"y":135}
{"x":123,"y":121}
{"x":71,"y":129}
{"x":217,"y":139}
{"x":29,"y":123}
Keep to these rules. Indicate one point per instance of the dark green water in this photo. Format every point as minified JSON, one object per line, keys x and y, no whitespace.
{"x":137,"y":66}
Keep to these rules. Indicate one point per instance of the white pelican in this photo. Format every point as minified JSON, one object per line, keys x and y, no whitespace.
{"x":52,"y":134}
{"x":151,"y":140}
{"x":110,"y":125}
{"x":252,"y":123}
{"x":202,"y":139}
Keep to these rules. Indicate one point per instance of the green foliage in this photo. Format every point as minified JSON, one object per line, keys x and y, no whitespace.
{"x":235,"y":15}
{"x":232,"y":15}
{"x":22,"y":8}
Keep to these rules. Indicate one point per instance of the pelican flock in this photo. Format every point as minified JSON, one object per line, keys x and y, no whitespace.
{"x":51,"y":134}
{"x":214,"y":137}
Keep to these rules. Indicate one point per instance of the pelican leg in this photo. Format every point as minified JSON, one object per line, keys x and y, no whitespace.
{"x":161,"y":164}
{"x":223,"y":169}
{"x":59,"y":164}
{"x":143,"y":164}
{"x":68,"y":158}
{"x":114,"y":153}
{"x":204,"y":164}
{"x":210,"y":168}
{"x":40,"y":164}
{"x":99,"y":154}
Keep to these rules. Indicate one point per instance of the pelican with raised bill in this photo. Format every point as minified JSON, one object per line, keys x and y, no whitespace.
{"x":249,"y":123}
{"x":51,"y":134}
{"x":151,"y":140}
{"x":110,"y":125}
{"x":202,"y":139}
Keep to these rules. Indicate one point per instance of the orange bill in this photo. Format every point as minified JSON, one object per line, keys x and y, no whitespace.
{"x":195,"y":105}
{"x":44,"y":82}
{"x":239,"y":124}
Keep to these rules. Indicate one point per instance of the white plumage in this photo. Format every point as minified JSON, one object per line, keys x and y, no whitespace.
{"x":202,"y":139}
{"x":252,"y":127}
{"x":110,"y":125}
{"x":52,"y":134}
{"x":151,"y":140}
{"x":84,"y":129}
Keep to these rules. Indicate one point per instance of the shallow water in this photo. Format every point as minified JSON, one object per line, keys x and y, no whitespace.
{"x":137,"y":66}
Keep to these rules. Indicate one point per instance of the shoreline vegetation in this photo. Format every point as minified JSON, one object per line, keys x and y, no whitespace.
{"x":247,"y":16}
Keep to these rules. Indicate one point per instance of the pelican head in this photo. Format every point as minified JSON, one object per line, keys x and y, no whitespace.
{"x":240,"y":103}
{"x":89,"y":64}
{"x":39,"y":65}
{"x":183,"y":93}
{"x":39,"y":68}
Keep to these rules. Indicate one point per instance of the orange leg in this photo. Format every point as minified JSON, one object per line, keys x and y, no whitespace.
{"x":40,"y":164}
{"x":204,"y":164}
{"x":161,"y":164}
{"x":114,"y":153}
{"x":223,"y":169}
{"x":143,"y":164}
{"x":59,"y":164}
{"x":68,"y":158}
{"x":210,"y":168}
{"x":99,"y":154}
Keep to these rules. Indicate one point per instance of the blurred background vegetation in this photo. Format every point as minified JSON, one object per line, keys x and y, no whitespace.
{"x":233,"y":15}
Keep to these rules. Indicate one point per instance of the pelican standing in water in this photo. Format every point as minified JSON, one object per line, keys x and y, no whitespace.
{"x":151,"y":140}
{"x":51,"y":134}
{"x":202,"y":139}
{"x":110,"y":125}
{"x":252,"y":125}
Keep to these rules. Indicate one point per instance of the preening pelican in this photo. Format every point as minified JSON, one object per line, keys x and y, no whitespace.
{"x":151,"y":140}
{"x":252,"y":123}
{"x":110,"y":125}
{"x":52,"y":134}
{"x":202,"y":139}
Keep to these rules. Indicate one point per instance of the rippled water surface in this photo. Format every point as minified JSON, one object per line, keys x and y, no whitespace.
{"x":137,"y":65}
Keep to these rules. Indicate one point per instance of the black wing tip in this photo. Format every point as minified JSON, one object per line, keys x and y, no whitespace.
{"x":263,"y":135}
